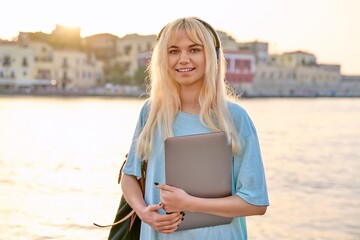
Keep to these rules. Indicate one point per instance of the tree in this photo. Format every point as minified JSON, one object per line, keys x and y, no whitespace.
{"x":140,"y":76}
{"x":116,"y":74}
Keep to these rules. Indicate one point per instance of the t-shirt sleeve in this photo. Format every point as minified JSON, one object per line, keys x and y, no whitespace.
{"x":133,"y":163}
{"x":249,"y":174}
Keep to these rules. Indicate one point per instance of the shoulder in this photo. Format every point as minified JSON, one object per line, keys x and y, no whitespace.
{"x":236,"y":111}
{"x":144,"y":113}
{"x":241,"y":119}
{"x":145,"y":108}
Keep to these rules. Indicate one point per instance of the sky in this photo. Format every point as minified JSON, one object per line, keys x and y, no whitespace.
{"x":329,"y":29}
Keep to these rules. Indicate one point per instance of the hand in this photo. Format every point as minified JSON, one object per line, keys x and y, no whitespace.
{"x":164,"y":223}
{"x":173,"y":199}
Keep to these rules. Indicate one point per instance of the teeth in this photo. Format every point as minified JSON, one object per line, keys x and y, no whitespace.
{"x":185,"y":70}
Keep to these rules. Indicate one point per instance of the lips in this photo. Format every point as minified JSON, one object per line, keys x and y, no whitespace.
{"x":184,"y":69}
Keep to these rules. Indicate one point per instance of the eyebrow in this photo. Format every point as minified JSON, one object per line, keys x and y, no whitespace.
{"x":192,"y":45}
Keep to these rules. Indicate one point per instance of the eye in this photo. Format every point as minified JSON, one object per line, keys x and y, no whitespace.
{"x":173,"y":51}
{"x":195,"y":50}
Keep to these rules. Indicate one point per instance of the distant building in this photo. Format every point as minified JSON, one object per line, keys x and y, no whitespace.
{"x":75,"y":69}
{"x":39,"y":65}
{"x":129,"y":48}
{"x":294,"y":59}
{"x":330,"y":67}
{"x":68,"y":67}
{"x":280,"y":80}
{"x":24,"y":38}
{"x":351,"y":78}
{"x":18,"y":68}
{"x":240,"y":67}
{"x":60,"y":59}
{"x":228,"y":43}
{"x":64,"y":60}
{"x":60,"y":30}
{"x":16,"y":62}
{"x":103,"y":45}
{"x":259,"y":49}
{"x":44,"y":58}
{"x":66,"y":37}
{"x":350,"y":85}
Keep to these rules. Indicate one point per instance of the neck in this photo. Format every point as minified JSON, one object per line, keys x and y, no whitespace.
{"x":190,"y":101}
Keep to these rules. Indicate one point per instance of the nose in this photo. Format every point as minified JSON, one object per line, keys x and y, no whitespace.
{"x":184,"y":57}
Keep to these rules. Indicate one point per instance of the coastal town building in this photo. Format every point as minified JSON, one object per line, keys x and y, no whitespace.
{"x":259,"y":49}
{"x":128,"y":50}
{"x":69,"y":68}
{"x":16,"y":62}
{"x":103,"y":45}
{"x":75,"y":69}
{"x":294,"y":59}
{"x":296,"y":74}
{"x":228,"y":43}
{"x":277,"y":80}
{"x":38,"y":65}
{"x":17,"y":66}
{"x":350,"y":85}
{"x":240,"y":67}
{"x":65,"y":61}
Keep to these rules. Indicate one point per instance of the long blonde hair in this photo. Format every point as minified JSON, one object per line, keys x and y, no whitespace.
{"x":164,"y":100}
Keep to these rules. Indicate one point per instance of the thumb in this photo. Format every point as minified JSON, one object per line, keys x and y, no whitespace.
{"x":156,"y":207}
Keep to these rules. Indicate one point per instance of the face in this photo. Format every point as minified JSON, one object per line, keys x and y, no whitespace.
{"x":186,"y":61}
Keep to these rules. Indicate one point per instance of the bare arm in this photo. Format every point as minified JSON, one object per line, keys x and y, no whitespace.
{"x":132,"y":192}
{"x":165,"y":223}
{"x":232,"y":206}
{"x":176,"y":199}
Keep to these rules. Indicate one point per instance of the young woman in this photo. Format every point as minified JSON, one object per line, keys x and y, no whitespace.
{"x":189,"y":96}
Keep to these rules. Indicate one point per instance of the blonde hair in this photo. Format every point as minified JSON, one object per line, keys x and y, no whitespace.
{"x":164,"y":100}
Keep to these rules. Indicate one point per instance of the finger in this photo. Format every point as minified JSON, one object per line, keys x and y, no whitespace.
{"x":168,"y":219}
{"x":180,"y":220}
{"x":155,"y":207}
{"x":169,"y":208}
{"x":172,"y":225}
{"x":171,"y":228}
{"x":164,"y":187}
{"x":176,"y":221}
{"x":168,"y":229}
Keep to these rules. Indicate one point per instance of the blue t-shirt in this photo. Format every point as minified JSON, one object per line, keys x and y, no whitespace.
{"x":248,"y":173}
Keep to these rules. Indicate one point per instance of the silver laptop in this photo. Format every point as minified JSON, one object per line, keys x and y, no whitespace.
{"x":201,"y":165}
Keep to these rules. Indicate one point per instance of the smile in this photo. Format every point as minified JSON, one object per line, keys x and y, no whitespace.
{"x":185,"y":69}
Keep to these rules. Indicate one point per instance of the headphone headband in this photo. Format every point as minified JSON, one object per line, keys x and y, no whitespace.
{"x":213,"y":32}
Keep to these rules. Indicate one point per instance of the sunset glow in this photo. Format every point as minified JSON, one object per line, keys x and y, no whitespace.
{"x":330,"y":29}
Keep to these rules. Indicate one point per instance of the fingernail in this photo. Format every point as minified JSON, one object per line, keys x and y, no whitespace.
{"x":160,"y":203}
{"x":182,"y":219}
{"x":156,"y":183}
{"x":183,"y":213}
